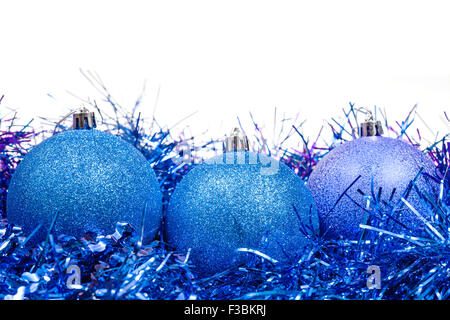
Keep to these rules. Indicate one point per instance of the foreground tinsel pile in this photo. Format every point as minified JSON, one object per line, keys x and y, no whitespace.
{"x":118,"y":266}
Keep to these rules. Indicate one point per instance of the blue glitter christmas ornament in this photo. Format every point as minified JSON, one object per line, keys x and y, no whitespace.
{"x":240,"y":200}
{"x":88,"y":180}
{"x":372,"y":174}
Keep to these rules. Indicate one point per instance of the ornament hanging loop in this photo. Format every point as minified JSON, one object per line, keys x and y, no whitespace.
{"x":237,"y":141}
{"x":370,"y":127}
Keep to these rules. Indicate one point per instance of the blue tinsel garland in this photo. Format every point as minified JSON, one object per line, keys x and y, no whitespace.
{"x":116,"y":267}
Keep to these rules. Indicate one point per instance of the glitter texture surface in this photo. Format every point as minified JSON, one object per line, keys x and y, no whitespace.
{"x":92,"y":179}
{"x":237,"y":202}
{"x":385,"y":168}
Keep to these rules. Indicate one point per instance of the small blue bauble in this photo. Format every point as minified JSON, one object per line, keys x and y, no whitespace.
{"x":92,"y":179}
{"x":240,"y":200}
{"x":391,"y":165}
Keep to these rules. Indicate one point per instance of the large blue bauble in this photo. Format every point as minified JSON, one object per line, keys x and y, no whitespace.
{"x":92,"y":179}
{"x":390,"y":164}
{"x":240,"y":200}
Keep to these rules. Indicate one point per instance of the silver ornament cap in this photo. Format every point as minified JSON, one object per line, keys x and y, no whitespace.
{"x":370,"y":127}
{"x":237,"y":141}
{"x":84,"y":119}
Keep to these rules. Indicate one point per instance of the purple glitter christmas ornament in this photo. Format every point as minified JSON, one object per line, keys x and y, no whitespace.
{"x":373,"y":172}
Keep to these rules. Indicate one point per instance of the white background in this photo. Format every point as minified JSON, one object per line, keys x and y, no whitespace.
{"x":226,"y":58}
